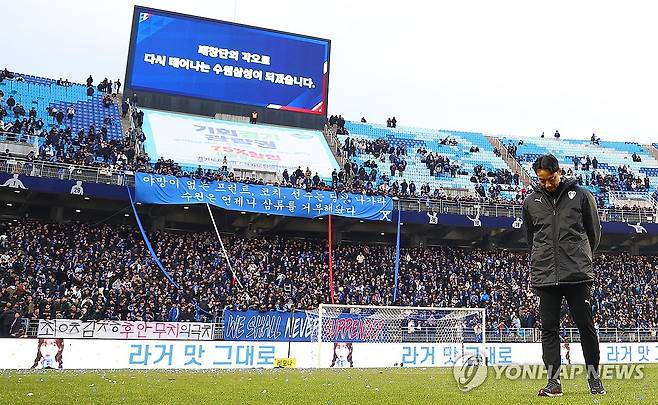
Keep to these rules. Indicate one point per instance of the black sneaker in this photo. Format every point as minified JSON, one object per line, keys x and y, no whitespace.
{"x":596,"y":386}
{"x":552,"y":389}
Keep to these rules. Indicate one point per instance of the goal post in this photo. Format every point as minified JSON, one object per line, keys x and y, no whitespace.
{"x":461,"y":327}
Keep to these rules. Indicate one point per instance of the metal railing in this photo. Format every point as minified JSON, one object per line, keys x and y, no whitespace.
{"x":632,"y":199}
{"x":654,"y":201}
{"x":510,"y":160}
{"x":475,"y":208}
{"x":571,"y":335}
{"x":20,"y":139}
{"x":470,"y":208}
{"x":330,"y":135}
{"x":40,"y":168}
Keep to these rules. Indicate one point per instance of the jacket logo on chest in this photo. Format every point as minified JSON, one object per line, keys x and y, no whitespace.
{"x":571,"y":194}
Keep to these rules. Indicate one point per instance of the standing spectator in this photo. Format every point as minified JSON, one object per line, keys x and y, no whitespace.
{"x":394,"y":122}
{"x":402,"y":166}
{"x":59,"y":116}
{"x":116,"y":87}
{"x":412,"y":188}
{"x":124,"y":108}
{"x":516,"y":324}
{"x":16,"y":327}
{"x":174,"y":313}
{"x":140,"y":118}
{"x":254,"y":117}
{"x":6,"y":320}
{"x":90,"y":81}
{"x":70,"y":112}
{"x":19,"y":111}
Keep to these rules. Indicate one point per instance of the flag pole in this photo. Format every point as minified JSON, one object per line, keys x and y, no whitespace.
{"x":331,"y":263}
{"x":397,"y":258}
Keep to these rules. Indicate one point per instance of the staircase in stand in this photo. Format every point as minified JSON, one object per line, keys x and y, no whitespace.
{"x":512,"y":163}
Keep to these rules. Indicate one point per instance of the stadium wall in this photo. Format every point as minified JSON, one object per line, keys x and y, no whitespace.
{"x":209,"y":108}
{"x":168,"y":354}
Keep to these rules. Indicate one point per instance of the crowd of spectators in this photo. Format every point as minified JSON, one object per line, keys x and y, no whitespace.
{"x":107,"y":87}
{"x":589,"y":173}
{"x":6,"y":74}
{"x":90,"y":148}
{"x":624,"y":180}
{"x":489,"y":186}
{"x":438,"y":164}
{"x":83,"y":271}
{"x":511,"y":149}
{"x":380,"y":148}
{"x":595,"y":140}
{"x":451,"y":142}
{"x":339,"y":121}
{"x":372,"y":177}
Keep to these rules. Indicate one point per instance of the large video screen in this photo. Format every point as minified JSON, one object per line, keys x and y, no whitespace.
{"x":191,"y":56}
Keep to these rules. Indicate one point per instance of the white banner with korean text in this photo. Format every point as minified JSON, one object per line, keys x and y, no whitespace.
{"x":60,"y":353}
{"x":77,"y":329}
{"x":193,"y":141}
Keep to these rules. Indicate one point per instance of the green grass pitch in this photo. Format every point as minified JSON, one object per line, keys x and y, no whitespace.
{"x":324,"y":387}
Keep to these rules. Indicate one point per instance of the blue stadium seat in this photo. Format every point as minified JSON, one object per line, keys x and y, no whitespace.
{"x":609,"y":154}
{"x":413,"y":138}
{"x":40,"y":93}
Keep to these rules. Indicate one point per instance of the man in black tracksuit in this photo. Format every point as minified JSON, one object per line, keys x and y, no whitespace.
{"x":563,"y":230}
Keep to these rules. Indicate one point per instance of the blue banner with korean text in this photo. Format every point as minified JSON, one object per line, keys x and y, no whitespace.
{"x":292,"y":202}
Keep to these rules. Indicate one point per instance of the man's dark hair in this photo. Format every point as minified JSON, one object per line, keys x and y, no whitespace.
{"x":547,"y":162}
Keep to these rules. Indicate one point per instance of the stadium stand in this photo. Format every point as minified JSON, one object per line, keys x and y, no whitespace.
{"x":397,"y":161}
{"x":42,"y":93}
{"x":82,"y":271}
{"x":458,"y":160}
{"x":69,"y":125}
{"x":602,"y":167}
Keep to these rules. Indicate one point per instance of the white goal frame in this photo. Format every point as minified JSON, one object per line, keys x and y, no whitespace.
{"x":322,"y":307}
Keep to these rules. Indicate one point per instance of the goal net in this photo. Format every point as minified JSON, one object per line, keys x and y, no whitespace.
{"x":459,"y":331}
